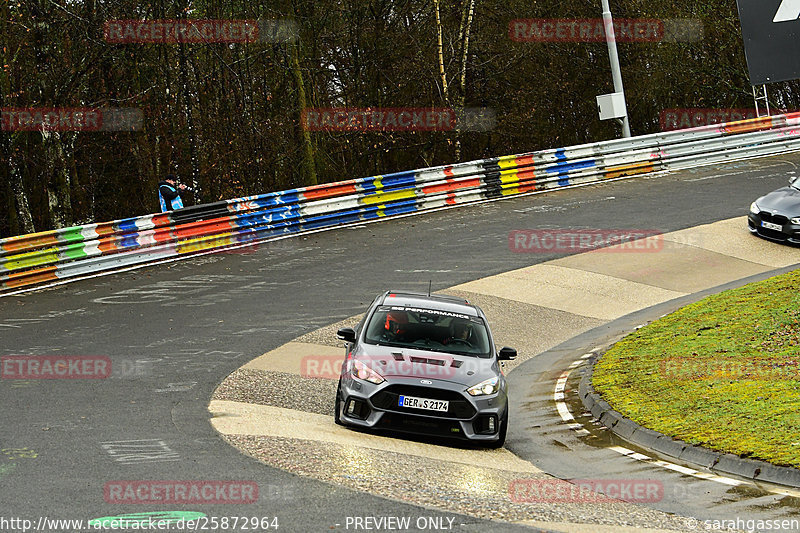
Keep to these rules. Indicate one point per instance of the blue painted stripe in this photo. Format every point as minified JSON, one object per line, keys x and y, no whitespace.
{"x":399,"y":180}
{"x":269,"y":216}
{"x":246,"y":235}
{"x":369,"y":186}
{"x":399,"y":208}
{"x":370,"y":213}
{"x":562,"y":169}
{"x":266,"y":202}
{"x":330,"y":220}
{"x":127,"y":224}
{"x":289,"y":197}
{"x":128,"y":241}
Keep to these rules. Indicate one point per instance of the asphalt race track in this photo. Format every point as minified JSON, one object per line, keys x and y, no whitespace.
{"x":174,"y":332}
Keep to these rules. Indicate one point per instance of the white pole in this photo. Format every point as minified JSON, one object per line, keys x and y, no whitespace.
{"x":616,"y":72}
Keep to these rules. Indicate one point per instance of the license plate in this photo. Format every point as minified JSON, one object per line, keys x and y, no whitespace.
{"x":770,"y":225}
{"x":424,"y":403}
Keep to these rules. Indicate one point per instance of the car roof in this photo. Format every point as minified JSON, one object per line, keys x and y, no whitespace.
{"x":440,"y":302}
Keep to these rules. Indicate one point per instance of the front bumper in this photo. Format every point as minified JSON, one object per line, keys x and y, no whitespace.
{"x":789,"y":232}
{"x":368,"y":406}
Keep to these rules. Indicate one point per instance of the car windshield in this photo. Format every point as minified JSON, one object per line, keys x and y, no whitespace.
{"x":428,"y":329}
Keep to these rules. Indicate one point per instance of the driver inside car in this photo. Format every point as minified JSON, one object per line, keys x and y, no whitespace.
{"x":460,"y":330}
{"x":396,"y":326}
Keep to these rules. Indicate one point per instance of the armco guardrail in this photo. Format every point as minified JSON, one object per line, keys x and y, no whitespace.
{"x":72,"y":252}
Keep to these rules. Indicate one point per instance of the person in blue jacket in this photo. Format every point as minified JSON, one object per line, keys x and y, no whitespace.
{"x":169,"y":193}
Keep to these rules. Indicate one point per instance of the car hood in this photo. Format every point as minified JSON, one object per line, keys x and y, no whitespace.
{"x":785,"y":201}
{"x":392,"y":362}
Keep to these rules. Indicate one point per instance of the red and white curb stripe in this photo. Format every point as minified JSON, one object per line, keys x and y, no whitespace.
{"x":569,"y":420}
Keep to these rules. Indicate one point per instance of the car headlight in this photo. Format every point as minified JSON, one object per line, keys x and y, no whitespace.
{"x":362,"y":371}
{"x":795,"y":220}
{"x":484,"y":388}
{"x":754,"y":208}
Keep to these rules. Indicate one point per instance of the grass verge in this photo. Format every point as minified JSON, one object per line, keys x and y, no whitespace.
{"x":723,"y":373}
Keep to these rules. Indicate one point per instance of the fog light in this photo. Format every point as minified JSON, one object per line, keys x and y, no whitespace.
{"x":357,"y":409}
{"x":485,"y":425}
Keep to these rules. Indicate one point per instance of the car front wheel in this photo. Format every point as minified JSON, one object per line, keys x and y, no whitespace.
{"x":338,"y":404}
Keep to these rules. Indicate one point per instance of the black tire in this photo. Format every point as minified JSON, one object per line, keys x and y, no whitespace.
{"x":501,"y":438}
{"x":337,"y":408}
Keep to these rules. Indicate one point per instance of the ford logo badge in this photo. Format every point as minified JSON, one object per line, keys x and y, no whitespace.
{"x":426,"y":382}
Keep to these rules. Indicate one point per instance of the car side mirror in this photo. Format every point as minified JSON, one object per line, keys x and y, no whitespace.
{"x":347,"y":334}
{"x":507,"y":354}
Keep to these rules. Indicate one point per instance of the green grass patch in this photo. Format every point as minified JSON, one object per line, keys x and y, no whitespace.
{"x":723,"y":372}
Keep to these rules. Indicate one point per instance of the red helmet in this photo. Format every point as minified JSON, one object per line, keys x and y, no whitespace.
{"x":396,"y":322}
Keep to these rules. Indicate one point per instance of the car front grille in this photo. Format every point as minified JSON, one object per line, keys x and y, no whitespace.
{"x":766,"y":216}
{"x":775,"y":219}
{"x":388,"y":399}
{"x":420,"y":425}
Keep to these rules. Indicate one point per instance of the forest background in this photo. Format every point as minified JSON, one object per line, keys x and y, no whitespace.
{"x":228,"y":116}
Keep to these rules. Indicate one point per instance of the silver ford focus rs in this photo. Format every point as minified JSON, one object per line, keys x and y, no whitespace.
{"x":425,"y":365}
